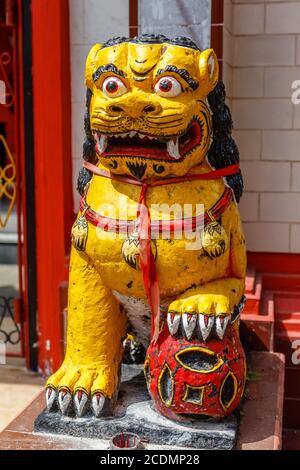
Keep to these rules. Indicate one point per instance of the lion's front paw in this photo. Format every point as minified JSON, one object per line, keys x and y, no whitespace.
{"x":200,"y":315}
{"x":81,"y":388}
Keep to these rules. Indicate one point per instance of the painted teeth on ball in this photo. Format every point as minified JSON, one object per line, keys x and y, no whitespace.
{"x":98,"y":401}
{"x":221,"y":325}
{"x":173,"y":322}
{"x":206,"y":323}
{"x":189,"y":323}
{"x":50,"y":397}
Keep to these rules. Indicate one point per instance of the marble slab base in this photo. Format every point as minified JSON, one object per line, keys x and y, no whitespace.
{"x":134,"y":413}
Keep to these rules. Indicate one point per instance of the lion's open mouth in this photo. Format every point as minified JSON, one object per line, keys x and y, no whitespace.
{"x":134,"y":144}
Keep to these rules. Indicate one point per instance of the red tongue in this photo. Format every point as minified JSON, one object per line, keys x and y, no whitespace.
{"x":136,"y":151}
{"x":151,"y":148}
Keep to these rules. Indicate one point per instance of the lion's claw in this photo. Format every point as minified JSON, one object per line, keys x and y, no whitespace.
{"x":98,"y":402}
{"x":206,"y":323}
{"x":221,"y":326}
{"x":189,"y":323}
{"x":186,"y":324}
{"x":74,"y":389}
{"x":50,"y":397}
{"x":80,"y":402}
{"x":64,"y":400}
{"x":173,"y":321}
{"x":200,"y":316}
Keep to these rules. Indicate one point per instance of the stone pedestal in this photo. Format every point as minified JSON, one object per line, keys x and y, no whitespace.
{"x":134,"y":413}
{"x":260,"y":425}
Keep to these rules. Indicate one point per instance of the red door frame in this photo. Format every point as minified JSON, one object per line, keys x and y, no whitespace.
{"x":53,"y":168}
{"x":26,"y":282}
{"x":11,"y":68}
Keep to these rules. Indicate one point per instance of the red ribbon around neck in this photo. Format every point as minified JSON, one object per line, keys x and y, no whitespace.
{"x":147,"y":262}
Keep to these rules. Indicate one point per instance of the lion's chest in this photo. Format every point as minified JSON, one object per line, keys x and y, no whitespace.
{"x":179,"y":264}
{"x":180,"y":261}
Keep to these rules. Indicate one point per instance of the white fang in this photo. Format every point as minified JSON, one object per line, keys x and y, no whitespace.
{"x":102,"y":144}
{"x":173,"y":148}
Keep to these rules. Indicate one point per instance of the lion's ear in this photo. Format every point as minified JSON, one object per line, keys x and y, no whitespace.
{"x":90,"y":65}
{"x":209,"y":69}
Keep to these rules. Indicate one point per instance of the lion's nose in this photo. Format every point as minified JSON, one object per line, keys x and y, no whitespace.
{"x":116,"y":109}
{"x":152,"y":108}
{"x":135,"y":110}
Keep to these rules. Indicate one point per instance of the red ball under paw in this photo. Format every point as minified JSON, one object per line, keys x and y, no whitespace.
{"x":196,"y":377}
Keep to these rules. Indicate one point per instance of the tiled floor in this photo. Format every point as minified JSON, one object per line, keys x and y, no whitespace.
{"x":9,"y":288}
{"x":18,"y":387}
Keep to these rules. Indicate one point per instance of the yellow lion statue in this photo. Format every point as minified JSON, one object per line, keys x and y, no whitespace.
{"x":160,"y":165}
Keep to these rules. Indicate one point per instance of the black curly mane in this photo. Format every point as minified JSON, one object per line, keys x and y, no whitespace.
{"x":223,"y":150}
{"x":152,"y":39}
{"x":88,"y":151}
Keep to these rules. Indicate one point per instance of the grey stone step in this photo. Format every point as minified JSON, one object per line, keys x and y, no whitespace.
{"x":134,"y":413}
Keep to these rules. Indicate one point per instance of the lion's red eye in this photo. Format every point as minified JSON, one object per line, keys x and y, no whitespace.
{"x":113,"y":87}
{"x":165,"y":85}
{"x":168,"y":87}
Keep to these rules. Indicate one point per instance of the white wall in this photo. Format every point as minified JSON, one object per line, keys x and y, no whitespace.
{"x":261,"y":44}
{"x":91,"y":21}
{"x":265,"y":52}
{"x":190,"y":18}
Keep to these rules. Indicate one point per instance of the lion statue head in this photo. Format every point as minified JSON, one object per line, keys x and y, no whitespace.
{"x":156,"y":108}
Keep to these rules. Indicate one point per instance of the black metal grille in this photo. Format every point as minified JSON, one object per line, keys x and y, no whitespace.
{"x":10,"y":334}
